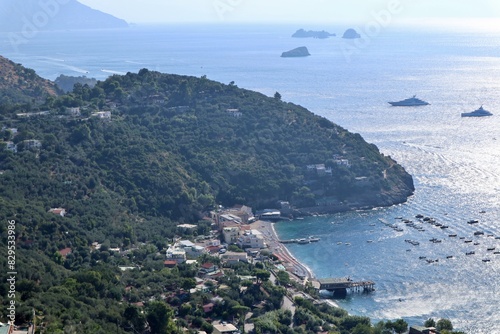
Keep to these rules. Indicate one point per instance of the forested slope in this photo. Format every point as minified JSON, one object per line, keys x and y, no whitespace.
{"x":164,"y":149}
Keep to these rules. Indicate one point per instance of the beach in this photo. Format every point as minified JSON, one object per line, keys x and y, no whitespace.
{"x":299,"y":270}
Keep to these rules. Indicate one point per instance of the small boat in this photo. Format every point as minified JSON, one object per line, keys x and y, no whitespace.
{"x":313,"y":239}
{"x":452,"y":235}
{"x":477,"y":113}
{"x":302,"y":241}
{"x":486,"y":260}
{"x":470,"y":253}
{"x":410,"y":102}
{"x":490,"y":249}
{"x":467,"y":241}
{"x":479,"y":233}
{"x":473,"y":221}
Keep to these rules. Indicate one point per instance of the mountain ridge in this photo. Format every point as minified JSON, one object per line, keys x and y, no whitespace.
{"x":22,"y":85}
{"x":28,"y":17}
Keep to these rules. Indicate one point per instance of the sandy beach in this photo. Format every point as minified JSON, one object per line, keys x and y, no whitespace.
{"x":291,"y":264}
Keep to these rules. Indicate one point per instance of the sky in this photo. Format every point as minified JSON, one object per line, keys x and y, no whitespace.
{"x":290,"y":11}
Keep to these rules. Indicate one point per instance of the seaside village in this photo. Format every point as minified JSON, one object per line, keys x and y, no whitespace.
{"x":237,"y":236}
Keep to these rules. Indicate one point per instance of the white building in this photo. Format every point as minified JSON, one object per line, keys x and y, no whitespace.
{"x":225,"y":328}
{"x":32,"y":144}
{"x":187,"y":227}
{"x":102,"y":114}
{"x":74,"y":111}
{"x":231,"y":234}
{"x":231,"y":258}
{"x":11,"y":146}
{"x":251,"y":239}
{"x":176,"y":254}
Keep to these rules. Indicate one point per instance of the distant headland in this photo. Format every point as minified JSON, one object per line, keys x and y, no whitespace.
{"x":33,"y":16}
{"x":297,"y":52}
{"x":301,"y":33}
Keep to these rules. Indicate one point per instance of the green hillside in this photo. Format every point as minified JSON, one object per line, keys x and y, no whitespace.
{"x":164,"y":150}
{"x":20,"y":85}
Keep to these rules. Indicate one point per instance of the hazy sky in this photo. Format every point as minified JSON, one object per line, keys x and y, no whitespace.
{"x":281,"y":11}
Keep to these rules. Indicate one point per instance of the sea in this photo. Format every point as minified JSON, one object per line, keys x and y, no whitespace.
{"x":455,"y":161}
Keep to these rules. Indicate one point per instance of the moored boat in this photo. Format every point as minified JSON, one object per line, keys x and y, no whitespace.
{"x":477,"y":113}
{"x":410,"y":102}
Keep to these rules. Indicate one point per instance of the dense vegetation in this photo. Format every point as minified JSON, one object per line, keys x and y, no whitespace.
{"x":67,"y":83}
{"x":174,"y":147}
{"x":21,"y":88}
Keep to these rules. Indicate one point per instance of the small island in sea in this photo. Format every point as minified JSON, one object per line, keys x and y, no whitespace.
{"x":301,"y":33}
{"x":351,"y":34}
{"x":297,"y":52}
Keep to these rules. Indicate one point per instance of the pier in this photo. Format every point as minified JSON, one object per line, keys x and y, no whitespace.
{"x":342,"y":286}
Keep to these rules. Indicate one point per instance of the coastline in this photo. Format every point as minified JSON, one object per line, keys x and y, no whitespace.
{"x":297,"y":270}
{"x":292,"y":265}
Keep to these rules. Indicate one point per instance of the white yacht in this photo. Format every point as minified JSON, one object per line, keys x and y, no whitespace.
{"x":477,"y":113}
{"x":410,"y":102}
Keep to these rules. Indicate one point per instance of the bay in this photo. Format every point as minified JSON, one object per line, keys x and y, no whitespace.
{"x":455,"y":161}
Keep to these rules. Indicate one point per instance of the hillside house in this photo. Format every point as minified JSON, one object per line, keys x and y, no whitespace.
{"x":231,"y":234}
{"x":225,"y":328}
{"x":65,"y":252}
{"x":58,"y":211}
{"x":32,"y":144}
{"x":423,"y":330}
{"x":234,"y":112}
{"x":11,"y":146}
{"x":74,"y":111}
{"x":176,"y":254}
{"x":232,"y":258}
{"x":187,"y":228}
{"x":105,"y":115}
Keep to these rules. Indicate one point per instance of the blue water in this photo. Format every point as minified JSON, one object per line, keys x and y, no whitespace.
{"x":455,"y":161}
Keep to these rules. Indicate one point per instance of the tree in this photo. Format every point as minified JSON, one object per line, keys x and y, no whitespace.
{"x":444,"y":324}
{"x":262,"y":275}
{"x":430,"y":323}
{"x":134,"y":318}
{"x":159,"y":317}
{"x":400,"y":326}
{"x":241,"y":311}
{"x":283,"y":277}
{"x":277,"y":96}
